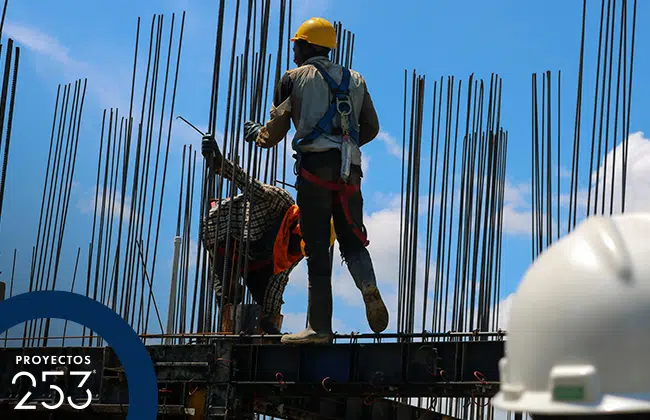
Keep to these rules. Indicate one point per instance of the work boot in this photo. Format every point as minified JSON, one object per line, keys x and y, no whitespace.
{"x":363,"y":273}
{"x":307,"y":336}
{"x":267,"y":324}
{"x":319,"y":315}
{"x":376,"y":311}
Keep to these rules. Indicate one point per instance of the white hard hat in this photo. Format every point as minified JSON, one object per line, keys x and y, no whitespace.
{"x":579,"y":328}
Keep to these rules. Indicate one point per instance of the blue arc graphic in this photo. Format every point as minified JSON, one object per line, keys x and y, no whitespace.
{"x":135,"y":359}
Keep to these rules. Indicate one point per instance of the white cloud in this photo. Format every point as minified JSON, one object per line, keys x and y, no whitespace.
{"x":516,"y":221}
{"x":391,"y":144}
{"x":365,"y":164}
{"x":39,"y":42}
{"x":637,"y":195}
{"x":109,"y":82}
{"x":564,"y":171}
{"x":109,"y":85}
{"x":517,"y":212}
{"x":517,"y":205}
{"x":100,"y":82}
{"x":516,"y":195}
{"x":504,"y":311}
{"x":86,"y":204}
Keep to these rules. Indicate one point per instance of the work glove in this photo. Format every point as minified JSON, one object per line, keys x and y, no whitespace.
{"x":251,"y":130}
{"x":210,"y":151}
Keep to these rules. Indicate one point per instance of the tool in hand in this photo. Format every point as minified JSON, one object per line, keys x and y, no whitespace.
{"x":209,"y":147}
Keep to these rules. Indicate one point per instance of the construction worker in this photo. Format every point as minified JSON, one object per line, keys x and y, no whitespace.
{"x":578,"y":335}
{"x":275,"y":242}
{"x":334,"y":116}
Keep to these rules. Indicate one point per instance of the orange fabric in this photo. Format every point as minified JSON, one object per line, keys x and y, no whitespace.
{"x":282,"y":259}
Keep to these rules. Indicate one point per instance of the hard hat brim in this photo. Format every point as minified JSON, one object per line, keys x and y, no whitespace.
{"x":542,"y":404}
{"x":294,"y":39}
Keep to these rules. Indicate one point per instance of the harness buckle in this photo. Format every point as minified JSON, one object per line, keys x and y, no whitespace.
{"x":343,"y":106}
{"x":296,"y":166}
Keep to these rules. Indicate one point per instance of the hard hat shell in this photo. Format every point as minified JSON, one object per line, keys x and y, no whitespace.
{"x":579,"y":327}
{"x":317,"y":31}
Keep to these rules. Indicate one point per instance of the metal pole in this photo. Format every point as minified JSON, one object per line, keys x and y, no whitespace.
{"x":172,"y":290}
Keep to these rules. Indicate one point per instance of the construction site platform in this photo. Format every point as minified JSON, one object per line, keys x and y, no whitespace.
{"x":214,"y":376}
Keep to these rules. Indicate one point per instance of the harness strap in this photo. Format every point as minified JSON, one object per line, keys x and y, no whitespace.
{"x":343,"y":191}
{"x":340,"y":91}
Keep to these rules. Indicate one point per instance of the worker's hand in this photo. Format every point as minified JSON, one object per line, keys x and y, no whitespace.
{"x":251,"y":130}
{"x":210,"y":151}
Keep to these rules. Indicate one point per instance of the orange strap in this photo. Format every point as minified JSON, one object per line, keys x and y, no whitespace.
{"x":282,"y":259}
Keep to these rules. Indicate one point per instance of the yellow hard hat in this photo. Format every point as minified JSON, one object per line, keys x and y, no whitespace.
{"x":317,"y":31}
{"x":332,"y":238}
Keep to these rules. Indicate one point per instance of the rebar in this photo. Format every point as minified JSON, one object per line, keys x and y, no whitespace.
{"x":14,"y":81}
{"x":611,"y":110}
{"x":464,"y":296}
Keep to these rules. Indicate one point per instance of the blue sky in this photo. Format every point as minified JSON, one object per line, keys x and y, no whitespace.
{"x":68,"y":40}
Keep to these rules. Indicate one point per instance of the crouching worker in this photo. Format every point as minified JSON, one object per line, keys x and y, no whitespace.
{"x":578,"y":336}
{"x":272,"y":228}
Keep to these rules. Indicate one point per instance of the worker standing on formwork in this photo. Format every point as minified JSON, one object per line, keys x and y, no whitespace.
{"x":334,"y":116}
{"x":273,"y":229}
{"x":578,"y":331}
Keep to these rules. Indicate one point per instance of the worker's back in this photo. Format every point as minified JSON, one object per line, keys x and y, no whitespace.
{"x":311,"y":97}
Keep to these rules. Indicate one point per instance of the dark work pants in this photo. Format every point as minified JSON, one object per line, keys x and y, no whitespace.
{"x":317,"y":205}
{"x":256,"y":281}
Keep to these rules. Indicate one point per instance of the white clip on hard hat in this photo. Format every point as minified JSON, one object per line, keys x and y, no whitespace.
{"x":579,"y":328}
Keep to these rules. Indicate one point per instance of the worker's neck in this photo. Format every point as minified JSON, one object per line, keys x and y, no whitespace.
{"x":314,"y":58}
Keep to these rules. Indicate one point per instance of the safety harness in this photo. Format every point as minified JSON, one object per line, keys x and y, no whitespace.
{"x":343,"y":191}
{"x":340,"y":105}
